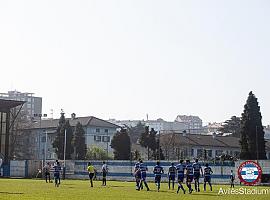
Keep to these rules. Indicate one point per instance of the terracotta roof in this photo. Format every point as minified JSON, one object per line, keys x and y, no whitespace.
{"x":202,"y":140}
{"x":85,"y":121}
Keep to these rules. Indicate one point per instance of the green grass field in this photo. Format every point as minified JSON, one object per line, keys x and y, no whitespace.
{"x":79,"y":189}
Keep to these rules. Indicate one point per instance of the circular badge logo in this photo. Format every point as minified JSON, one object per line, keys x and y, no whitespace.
{"x":249,"y":172}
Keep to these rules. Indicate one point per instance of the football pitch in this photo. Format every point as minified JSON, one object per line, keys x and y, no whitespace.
{"x":79,"y":189}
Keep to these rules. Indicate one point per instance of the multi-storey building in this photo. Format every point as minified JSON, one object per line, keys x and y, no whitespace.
{"x":40,"y":136}
{"x":157,"y":125}
{"x":32,"y":105}
{"x":193,"y":122}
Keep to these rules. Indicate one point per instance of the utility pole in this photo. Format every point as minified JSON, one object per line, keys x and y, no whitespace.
{"x":65,"y":146}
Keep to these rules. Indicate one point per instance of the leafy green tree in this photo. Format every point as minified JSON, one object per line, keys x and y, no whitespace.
{"x":252,"y":134}
{"x":232,"y":126}
{"x":144,"y":140}
{"x":136,"y":155}
{"x":78,"y":142}
{"x":153,"y":143}
{"x":121,"y":145}
{"x":149,"y":140}
{"x":96,"y":153}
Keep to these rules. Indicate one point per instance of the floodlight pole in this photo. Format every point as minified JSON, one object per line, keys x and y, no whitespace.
{"x":65,"y":146}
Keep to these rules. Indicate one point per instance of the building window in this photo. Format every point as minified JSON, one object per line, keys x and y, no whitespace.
{"x":106,"y":130}
{"x":199,"y":153}
{"x":192,"y":152}
{"x":219,"y":152}
{"x":43,"y":139}
{"x":106,"y":139}
{"x":97,"y":138}
{"x":209,"y":153}
{"x":97,"y":130}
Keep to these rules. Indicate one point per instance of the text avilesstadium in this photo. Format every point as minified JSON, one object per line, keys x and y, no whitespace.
{"x":244,"y":191}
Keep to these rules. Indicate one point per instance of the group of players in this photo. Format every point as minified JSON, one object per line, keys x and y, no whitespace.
{"x":56,"y":168}
{"x":182,"y":171}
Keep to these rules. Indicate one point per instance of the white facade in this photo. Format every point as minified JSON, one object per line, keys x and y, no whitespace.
{"x":157,"y":125}
{"x":193,"y":122}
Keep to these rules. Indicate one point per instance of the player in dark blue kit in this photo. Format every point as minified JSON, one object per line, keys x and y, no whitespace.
{"x":171,"y":175}
{"x":207,"y":176}
{"x":158,"y":171}
{"x":143,"y":169}
{"x":137,"y":174}
{"x":189,"y":174}
{"x":57,"y":169}
{"x":180,"y":168}
{"x":197,"y":169}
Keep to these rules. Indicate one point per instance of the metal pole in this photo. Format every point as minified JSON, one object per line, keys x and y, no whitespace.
{"x":107,"y":144}
{"x":65,"y":145}
{"x":257,"y":147}
{"x":159,"y":145}
{"x":45,"y":153}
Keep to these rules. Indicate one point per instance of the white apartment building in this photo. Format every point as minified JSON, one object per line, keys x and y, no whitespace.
{"x":157,"y":125}
{"x":193,"y":122}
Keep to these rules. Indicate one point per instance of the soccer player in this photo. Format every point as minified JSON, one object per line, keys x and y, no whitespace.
{"x":143,"y":169}
{"x":57,"y":169}
{"x":91,"y":172}
{"x":47,"y":169}
{"x":137,"y":175}
{"x":207,"y":176}
{"x":180,"y":168}
{"x":104,"y":170}
{"x":189,"y":174}
{"x":197,"y":169}
{"x":55,"y":164}
{"x":158,"y":171}
{"x":171,"y":175}
{"x":232,"y":177}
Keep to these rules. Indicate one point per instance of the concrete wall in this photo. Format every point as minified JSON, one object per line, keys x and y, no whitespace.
{"x":121,"y":170}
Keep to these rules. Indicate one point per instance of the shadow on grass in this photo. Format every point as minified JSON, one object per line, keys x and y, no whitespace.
{"x":114,"y":186}
{"x":11,"y":193}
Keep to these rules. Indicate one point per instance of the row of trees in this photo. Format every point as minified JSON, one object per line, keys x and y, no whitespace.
{"x":121,"y":143}
{"x":248,"y":128}
{"x":75,"y":140}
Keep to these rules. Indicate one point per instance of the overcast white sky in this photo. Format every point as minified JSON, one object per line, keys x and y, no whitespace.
{"x":122,"y":59}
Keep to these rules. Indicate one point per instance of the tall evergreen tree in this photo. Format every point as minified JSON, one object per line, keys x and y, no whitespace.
{"x":252,"y":134}
{"x":69,"y":146}
{"x":121,"y":145}
{"x":59,"y":141}
{"x":78,"y":142}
